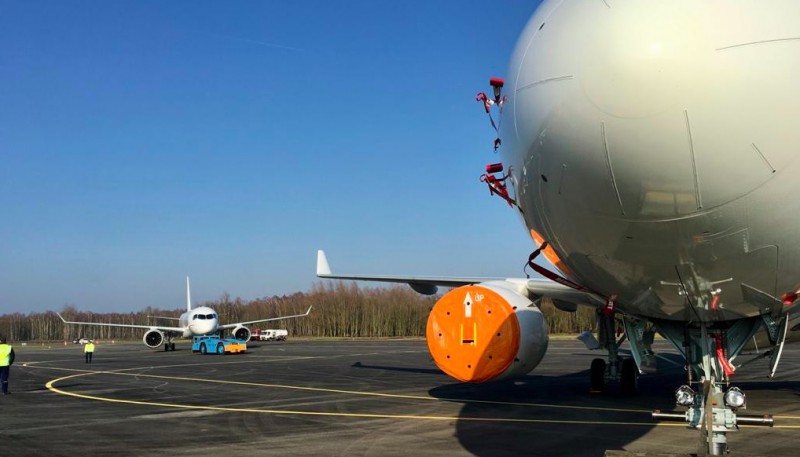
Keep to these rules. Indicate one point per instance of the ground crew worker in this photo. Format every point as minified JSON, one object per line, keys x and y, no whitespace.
{"x":6,"y":359}
{"x":88,"y":350}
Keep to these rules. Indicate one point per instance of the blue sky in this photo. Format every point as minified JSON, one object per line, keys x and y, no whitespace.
{"x":141,"y":142}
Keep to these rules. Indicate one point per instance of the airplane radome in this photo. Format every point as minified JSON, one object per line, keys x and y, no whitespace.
{"x":651,"y":151}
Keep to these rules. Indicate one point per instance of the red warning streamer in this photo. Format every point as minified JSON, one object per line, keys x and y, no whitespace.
{"x":560,"y":279}
{"x":497,"y":186}
{"x":499,"y":100}
{"x":723,"y":359}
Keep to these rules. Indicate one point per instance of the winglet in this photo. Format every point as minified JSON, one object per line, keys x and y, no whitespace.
{"x":323,"y":269}
{"x":62,"y":317}
{"x":188,"y":296}
{"x":309,"y":310}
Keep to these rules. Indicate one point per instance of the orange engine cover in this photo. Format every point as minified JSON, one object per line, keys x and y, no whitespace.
{"x":483,"y":332}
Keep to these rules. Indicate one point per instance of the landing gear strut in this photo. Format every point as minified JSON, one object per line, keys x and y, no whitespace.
{"x":618,"y":369}
{"x":712,"y":409}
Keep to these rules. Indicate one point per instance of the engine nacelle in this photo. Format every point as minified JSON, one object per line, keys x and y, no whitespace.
{"x":486,"y":332}
{"x":153,"y":338}
{"x":241,"y":333}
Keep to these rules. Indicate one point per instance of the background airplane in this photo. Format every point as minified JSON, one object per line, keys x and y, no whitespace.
{"x":199,"y":321}
{"x":650,"y":151}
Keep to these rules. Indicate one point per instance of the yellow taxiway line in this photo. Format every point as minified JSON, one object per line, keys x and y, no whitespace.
{"x":126,"y":372}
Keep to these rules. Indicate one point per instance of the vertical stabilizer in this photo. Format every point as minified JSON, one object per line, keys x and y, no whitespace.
{"x":188,"y":296}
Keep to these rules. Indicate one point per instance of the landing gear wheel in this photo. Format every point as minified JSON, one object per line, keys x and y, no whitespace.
{"x":597,"y":376}
{"x":629,"y":377}
{"x":220,"y":349}
{"x":203,"y":349}
{"x":166,"y":347}
{"x":171,"y":346}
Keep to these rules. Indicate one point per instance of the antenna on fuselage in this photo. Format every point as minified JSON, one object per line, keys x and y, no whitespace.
{"x":188,"y":296}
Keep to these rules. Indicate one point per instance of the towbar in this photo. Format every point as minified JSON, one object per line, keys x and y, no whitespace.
{"x":765,"y":420}
{"x":662,"y":416}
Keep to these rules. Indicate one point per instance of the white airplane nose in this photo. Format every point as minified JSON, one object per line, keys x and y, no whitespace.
{"x":625,"y":112}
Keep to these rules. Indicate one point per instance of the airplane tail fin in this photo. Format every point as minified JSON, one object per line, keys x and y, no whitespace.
{"x":188,"y":296}
{"x":322,"y":264}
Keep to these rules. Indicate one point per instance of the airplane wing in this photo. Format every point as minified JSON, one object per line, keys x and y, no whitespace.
{"x":164,"y":317}
{"x":103,"y":324}
{"x":238,"y":324}
{"x":428,"y":285}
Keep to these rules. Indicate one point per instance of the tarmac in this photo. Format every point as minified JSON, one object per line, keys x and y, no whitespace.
{"x":356,"y":398}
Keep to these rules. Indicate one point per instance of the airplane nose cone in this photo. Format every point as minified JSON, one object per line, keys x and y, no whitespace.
{"x":652,"y":110}
{"x":637,"y":67}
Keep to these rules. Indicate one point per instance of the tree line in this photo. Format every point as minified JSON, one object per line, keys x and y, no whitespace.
{"x":340,"y":309}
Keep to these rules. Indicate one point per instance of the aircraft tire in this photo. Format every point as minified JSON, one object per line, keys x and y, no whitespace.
{"x":203,"y":349}
{"x":629,"y":377}
{"x":597,"y":376}
{"x":171,"y":346}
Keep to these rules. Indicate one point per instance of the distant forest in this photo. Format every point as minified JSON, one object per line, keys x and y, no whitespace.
{"x":341,"y":309}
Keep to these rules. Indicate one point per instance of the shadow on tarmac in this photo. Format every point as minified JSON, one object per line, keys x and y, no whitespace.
{"x":555,"y":413}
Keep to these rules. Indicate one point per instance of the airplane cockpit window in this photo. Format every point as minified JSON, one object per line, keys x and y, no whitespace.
{"x":201,"y":316}
{"x":210,"y":316}
{"x":194,"y":317}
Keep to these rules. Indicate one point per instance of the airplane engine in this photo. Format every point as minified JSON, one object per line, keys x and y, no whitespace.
{"x":241,"y":333}
{"x":485,"y":332}
{"x":153,"y":338}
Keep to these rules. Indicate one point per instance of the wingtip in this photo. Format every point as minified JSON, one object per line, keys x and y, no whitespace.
{"x":323,"y":269}
{"x":61,"y":317}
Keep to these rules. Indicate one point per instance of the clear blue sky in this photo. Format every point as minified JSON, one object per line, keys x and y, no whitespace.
{"x":143,"y":141}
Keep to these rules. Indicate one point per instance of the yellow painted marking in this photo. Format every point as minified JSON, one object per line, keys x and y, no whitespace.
{"x":351,"y":392}
{"x":50,"y":386}
{"x":123,"y":372}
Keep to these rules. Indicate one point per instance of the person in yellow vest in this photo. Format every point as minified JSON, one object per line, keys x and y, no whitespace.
{"x":6,"y":359}
{"x":88,"y":350}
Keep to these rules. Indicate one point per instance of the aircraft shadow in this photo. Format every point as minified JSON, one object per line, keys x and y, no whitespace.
{"x":556,"y":415}
{"x":399,"y":369}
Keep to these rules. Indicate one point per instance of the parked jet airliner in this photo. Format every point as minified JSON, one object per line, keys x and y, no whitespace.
{"x":198,"y":321}
{"x":651,"y":150}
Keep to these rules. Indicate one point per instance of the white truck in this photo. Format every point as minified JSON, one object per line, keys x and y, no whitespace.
{"x":273,"y":335}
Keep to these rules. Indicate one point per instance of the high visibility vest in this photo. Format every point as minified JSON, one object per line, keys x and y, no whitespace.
{"x":89,"y":347}
{"x":5,"y":355}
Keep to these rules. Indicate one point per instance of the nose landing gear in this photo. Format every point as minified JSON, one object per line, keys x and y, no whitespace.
{"x":714,"y":413}
{"x":712,"y":410}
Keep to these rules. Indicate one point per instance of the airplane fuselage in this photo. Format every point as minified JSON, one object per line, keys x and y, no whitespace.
{"x":653,"y":146}
{"x":199,"y":321}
